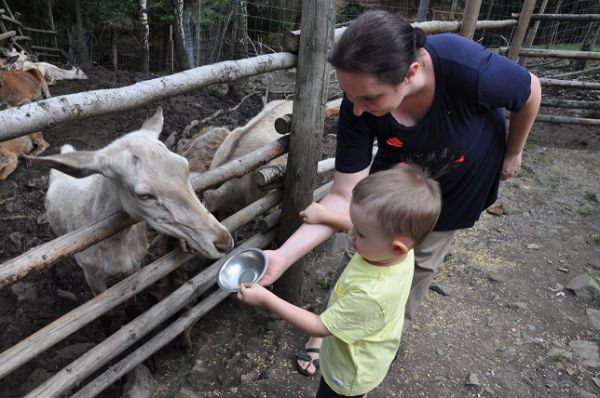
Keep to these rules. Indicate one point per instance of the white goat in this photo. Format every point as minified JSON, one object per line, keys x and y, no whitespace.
{"x":136,"y":174}
{"x":260,"y":131}
{"x":51,"y":73}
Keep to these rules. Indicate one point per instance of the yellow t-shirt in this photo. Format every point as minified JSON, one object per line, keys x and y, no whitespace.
{"x":365,"y":315}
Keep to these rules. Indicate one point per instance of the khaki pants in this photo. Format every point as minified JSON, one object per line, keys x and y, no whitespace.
{"x":429,"y":255}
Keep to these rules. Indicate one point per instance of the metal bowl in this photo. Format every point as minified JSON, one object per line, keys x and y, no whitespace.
{"x":245,"y":266}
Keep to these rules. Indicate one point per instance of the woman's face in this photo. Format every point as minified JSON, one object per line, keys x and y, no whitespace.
{"x":368,"y":94}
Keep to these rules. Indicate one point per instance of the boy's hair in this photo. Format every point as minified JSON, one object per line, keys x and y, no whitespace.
{"x":404,"y":200}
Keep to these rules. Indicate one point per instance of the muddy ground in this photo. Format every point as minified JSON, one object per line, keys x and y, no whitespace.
{"x":492,"y":332}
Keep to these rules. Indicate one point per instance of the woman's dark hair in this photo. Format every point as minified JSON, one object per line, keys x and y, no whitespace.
{"x":380,"y":44}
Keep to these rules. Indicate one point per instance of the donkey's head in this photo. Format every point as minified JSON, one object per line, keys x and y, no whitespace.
{"x":153,"y":185}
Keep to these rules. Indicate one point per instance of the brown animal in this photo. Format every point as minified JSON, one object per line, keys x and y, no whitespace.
{"x":20,"y":88}
{"x":11,"y":150}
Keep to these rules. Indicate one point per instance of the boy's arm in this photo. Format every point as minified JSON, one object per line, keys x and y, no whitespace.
{"x":303,"y":320}
{"x":316,"y":213}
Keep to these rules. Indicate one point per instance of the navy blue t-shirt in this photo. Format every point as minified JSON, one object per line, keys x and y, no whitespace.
{"x":461,"y":140}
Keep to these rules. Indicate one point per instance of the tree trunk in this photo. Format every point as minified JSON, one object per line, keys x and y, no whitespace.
{"x":115,"y":52}
{"x":180,"y":53}
{"x":145,"y":36}
{"x":80,"y":51}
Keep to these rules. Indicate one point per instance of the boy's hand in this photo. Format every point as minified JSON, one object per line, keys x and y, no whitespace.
{"x":314,"y":213}
{"x":252,"y":294}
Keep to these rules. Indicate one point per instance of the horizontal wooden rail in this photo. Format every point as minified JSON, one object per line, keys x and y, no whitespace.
{"x":291,"y":40}
{"x":539,"y":53}
{"x":47,"y":254}
{"x":42,"y":31}
{"x":6,"y":35}
{"x":562,"y":17}
{"x":570,"y":104}
{"x":45,"y":48}
{"x":569,"y":83}
{"x":22,"y":120}
{"x":11,"y":20}
{"x":567,"y":120}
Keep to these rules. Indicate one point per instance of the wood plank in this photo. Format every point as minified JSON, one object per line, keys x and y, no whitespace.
{"x":6,"y":35}
{"x":44,"y":31}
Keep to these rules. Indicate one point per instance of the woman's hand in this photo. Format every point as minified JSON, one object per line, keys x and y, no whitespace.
{"x":278,"y":264}
{"x":512,"y":166}
{"x":252,"y":294}
{"x":314,"y":213}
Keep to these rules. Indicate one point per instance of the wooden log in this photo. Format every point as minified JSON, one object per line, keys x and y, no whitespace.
{"x":42,"y":31}
{"x":11,"y":20}
{"x":540,"y":53}
{"x":22,"y":120}
{"x":562,"y":17}
{"x":567,"y":120}
{"x":6,"y":35}
{"x":78,"y":370}
{"x":58,"y":330}
{"x":124,"y":366}
{"x":21,"y":38}
{"x":569,"y":83}
{"x":570,"y":104}
{"x":291,"y":40}
{"x":521,"y":31}
{"x":283,"y":124}
{"x":45,"y":48}
{"x":312,"y":76}
{"x":50,"y":253}
{"x":469,"y":19}
{"x":577,"y":72}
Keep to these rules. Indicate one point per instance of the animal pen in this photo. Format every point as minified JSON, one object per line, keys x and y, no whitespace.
{"x":311,"y":81}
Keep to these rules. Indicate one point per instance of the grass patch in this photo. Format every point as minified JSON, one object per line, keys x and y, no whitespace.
{"x":596,"y":238}
{"x":558,"y":358}
{"x":591,"y":197}
{"x":597,"y":339}
{"x":584,"y":211}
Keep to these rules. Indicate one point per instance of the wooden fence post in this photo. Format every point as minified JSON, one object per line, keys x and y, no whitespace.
{"x":519,"y":36}
{"x":470,"y":15}
{"x":312,"y":74}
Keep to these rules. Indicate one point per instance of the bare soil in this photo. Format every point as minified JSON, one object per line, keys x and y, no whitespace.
{"x":505,"y":307}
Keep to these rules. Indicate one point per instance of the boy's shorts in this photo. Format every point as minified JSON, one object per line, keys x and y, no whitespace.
{"x":326,"y":392}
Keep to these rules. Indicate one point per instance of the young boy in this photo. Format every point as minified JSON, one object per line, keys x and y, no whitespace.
{"x":391,"y":211}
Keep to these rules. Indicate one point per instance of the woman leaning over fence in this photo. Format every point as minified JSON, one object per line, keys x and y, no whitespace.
{"x":435,"y":101}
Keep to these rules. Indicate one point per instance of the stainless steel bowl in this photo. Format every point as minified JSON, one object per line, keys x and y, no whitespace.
{"x":245,"y":266}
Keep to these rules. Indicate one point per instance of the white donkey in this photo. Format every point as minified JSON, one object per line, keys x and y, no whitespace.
{"x":136,"y":174}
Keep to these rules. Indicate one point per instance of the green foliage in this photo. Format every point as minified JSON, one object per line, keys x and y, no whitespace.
{"x":597,"y":339}
{"x":584,"y":211}
{"x":591,"y":197}
{"x":596,"y":238}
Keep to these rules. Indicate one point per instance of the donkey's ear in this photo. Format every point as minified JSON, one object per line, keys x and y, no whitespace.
{"x":77,"y":164}
{"x":154,"y":125}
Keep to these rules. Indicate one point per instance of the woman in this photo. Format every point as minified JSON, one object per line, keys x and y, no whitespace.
{"x":435,"y":101}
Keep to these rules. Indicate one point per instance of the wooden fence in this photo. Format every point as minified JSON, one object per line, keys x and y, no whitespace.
{"x":19,"y":121}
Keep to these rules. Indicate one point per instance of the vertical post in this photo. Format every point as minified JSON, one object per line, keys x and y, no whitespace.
{"x":422,"y":12}
{"x":470,"y":15}
{"x":312,"y":74}
{"x":517,"y":40}
{"x":172,"y":50}
{"x":198,"y":27}
{"x":52,"y":27}
{"x":536,"y":25}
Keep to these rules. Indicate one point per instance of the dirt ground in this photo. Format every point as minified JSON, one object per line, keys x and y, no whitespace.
{"x":490,"y":334}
